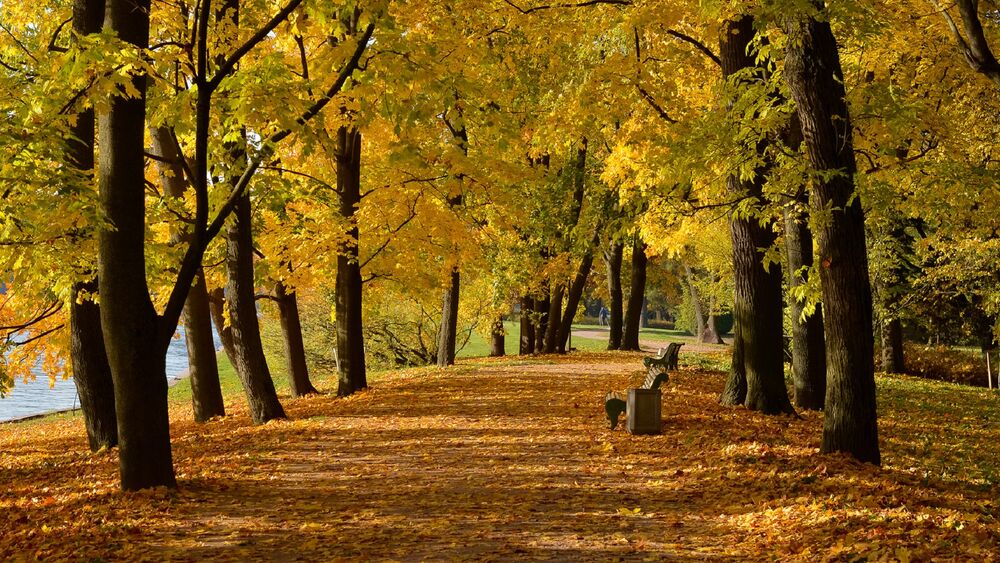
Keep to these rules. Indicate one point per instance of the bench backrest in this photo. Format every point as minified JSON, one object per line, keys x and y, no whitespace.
{"x":654,"y":380}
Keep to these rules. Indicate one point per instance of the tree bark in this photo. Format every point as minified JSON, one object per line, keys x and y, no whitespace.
{"x":636,"y":296}
{"x":700,"y":320}
{"x":554,"y":316}
{"x":447,"y":337}
{"x":206,"y":392}
{"x":203,"y":363}
{"x":497,"y":339}
{"x":808,"y":342}
{"x":735,"y":391}
{"x":350,"y":338}
{"x":251,"y":364}
{"x":573,"y":299}
{"x":711,"y":334}
{"x":815,"y":79}
{"x":527,"y":341}
{"x":91,"y":372}
{"x":613,"y":263}
{"x":217,"y":307}
{"x":295,"y":350}
{"x":542,"y":319}
{"x":757,"y":303}
{"x":893,"y":360}
{"x":136,"y":348}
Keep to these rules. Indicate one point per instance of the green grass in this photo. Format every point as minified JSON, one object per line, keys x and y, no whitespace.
{"x":478,"y":346}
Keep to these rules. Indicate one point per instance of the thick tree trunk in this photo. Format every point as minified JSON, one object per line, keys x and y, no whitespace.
{"x":527,"y":341}
{"x":711,"y":334}
{"x":573,"y":300}
{"x":206,"y":393}
{"x":892,"y":347}
{"x":555,"y":316}
{"x":735,"y":391}
{"x":815,"y":79}
{"x":251,"y":364}
{"x":91,"y":372}
{"x":136,"y":348}
{"x":636,"y":296}
{"x":757,"y":311}
{"x":757,"y":303}
{"x":613,"y":263}
{"x":808,"y":343}
{"x":350,"y":338}
{"x":295,"y":350}
{"x":497,"y":338}
{"x":217,"y":308}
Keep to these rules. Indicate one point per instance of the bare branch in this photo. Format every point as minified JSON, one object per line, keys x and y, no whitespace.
{"x":583,"y":4}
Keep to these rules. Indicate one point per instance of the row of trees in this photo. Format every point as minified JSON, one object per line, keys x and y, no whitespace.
{"x":420,"y":167}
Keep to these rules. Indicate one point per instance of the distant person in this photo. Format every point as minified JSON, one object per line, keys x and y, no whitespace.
{"x":603,"y":318}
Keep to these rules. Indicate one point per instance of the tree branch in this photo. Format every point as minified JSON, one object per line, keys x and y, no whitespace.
{"x":583,"y":4}
{"x":227,"y":67}
{"x":697,"y":44}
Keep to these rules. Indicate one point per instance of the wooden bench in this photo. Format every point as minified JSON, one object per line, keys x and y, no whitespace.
{"x":666,"y":358}
{"x":615,"y":404}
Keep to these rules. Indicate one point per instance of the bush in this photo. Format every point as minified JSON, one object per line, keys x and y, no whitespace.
{"x":946,"y":364}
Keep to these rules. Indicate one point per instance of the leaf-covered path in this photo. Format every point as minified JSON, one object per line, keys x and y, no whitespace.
{"x":499,"y":460}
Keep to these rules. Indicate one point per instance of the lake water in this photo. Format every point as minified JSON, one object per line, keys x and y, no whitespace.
{"x":36,"y":397}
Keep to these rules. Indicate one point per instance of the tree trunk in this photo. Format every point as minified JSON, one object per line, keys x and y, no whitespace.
{"x":757,"y":310}
{"x":136,"y":348}
{"x":808,"y":343}
{"x":735,"y":391}
{"x":554,"y":316}
{"x":542,"y":322}
{"x":573,"y":300}
{"x":527,"y":342}
{"x":757,"y":303}
{"x":295,"y":350}
{"x":206,"y":392}
{"x":613,"y":262}
{"x":447,"y":336}
{"x":91,"y":372}
{"x":203,"y":363}
{"x":815,"y":79}
{"x":350,"y":338}
{"x":636,"y":296}
{"x":892,"y":347}
{"x":497,"y":338}
{"x":695,"y":299}
{"x":217,"y":307}
{"x":251,"y":365}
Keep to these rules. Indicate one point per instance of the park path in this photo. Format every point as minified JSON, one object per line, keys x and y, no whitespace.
{"x":653,"y":342}
{"x":485,"y":463}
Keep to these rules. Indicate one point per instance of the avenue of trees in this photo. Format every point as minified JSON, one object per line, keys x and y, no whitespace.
{"x":384,"y":178}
